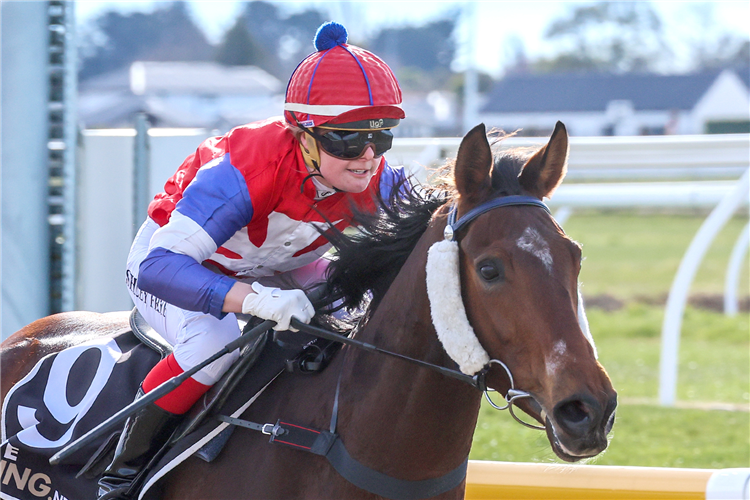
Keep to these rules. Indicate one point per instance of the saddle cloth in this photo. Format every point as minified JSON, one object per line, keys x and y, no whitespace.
{"x":70,"y":392}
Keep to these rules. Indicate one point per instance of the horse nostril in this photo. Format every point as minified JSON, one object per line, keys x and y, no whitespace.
{"x":610,"y":423}
{"x":574,"y":416}
{"x":609,"y":414}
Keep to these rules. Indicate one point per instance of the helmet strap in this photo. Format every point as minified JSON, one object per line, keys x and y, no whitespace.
{"x":311,"y":155}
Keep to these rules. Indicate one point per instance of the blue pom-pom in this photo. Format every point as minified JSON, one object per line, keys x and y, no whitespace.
{"x":329,"y":35}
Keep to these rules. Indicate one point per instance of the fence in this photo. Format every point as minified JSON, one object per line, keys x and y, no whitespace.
{"x":682,"y":171}
{"x":527,"y":481}
{"x":622,"y":158}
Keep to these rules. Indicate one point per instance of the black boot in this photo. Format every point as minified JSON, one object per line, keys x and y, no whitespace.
{"x":145,"y":432}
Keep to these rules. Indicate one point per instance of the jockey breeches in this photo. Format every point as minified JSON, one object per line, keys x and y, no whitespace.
{"x":195,"y":335}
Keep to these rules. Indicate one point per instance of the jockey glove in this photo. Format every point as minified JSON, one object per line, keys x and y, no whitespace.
{"x":278,"y":305}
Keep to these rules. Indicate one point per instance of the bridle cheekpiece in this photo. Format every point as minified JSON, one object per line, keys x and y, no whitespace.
{"x":449,"y":315}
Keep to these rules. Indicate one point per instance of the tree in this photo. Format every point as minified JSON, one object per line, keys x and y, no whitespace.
{"x":239,"y":49}
{"x":607,"y":36}
{"x":286,"y":40}
{"x":167,"y":34}
{"x":711,"y":46}
{"x":427,"y":47}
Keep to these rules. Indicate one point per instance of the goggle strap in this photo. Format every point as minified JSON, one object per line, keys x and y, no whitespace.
{"x":308,"y":177}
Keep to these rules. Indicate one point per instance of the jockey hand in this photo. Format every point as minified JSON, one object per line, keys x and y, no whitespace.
{"x":278,"y":305}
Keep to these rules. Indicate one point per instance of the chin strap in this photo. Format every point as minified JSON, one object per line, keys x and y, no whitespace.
{"x":311,"y":156}
{"x":308,"y":177}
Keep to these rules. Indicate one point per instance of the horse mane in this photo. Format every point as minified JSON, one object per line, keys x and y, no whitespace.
{"x":369,"y":258}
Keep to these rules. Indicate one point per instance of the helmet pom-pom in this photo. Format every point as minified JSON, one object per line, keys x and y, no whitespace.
{"x":329,"y":35}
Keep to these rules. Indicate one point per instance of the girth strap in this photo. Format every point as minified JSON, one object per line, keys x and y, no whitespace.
{"x":329,"y":445}
{"x":387,"y":486}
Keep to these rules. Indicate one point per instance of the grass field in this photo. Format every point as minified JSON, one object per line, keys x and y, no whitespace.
{"x":631,"y":260}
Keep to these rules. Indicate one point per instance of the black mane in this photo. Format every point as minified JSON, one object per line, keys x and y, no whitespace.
{"x":369,"y":259}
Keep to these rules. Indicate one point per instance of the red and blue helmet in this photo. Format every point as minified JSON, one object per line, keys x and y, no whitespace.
{"x":342,"y":83}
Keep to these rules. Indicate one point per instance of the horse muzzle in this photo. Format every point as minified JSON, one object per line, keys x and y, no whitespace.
{"x":578,"y":427}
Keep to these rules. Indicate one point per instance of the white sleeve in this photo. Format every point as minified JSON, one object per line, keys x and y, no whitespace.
{"x":184,"y":236}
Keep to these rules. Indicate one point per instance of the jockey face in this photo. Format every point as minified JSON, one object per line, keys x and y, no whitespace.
{"x":352,"y":176}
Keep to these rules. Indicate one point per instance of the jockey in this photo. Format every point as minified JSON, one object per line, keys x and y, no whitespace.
{"x":243,"y":212}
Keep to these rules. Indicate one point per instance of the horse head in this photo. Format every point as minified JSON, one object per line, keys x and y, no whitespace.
{"x":519,"y":284}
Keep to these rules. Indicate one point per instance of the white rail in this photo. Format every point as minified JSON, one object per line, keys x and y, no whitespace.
{"x":683,"y":157}
{"x":678,"y":294}
{"x":691,"y":195}
{"x":731,"y":281}
{"x":705,"y":167}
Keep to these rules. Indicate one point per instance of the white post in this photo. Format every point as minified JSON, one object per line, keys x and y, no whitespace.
{"x":471,"y":79}
{"x":563,"y":214}
{"x":733,"y":272}
{"x":678,"y":294}
{"x":24,"y":165}
{"x":70,"y":161}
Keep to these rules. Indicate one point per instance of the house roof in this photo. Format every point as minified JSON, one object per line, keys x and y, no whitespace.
{"x":744,"y":74}
{"x":551,"y":92}
{"x":194,"y":77}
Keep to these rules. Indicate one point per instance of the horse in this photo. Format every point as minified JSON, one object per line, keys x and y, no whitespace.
{"x":516,"y":277}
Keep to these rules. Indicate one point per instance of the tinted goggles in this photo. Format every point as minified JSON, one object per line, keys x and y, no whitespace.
{"x":351,"y":144}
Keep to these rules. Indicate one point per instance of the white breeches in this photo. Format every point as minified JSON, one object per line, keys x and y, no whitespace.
{"x":193,"y":335}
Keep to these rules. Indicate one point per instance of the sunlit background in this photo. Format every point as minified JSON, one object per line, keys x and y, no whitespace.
{"x":102,"y":100}
{"x":433,"y":46}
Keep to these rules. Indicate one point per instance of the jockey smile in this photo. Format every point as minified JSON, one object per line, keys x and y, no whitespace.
{"x":352,"y":176}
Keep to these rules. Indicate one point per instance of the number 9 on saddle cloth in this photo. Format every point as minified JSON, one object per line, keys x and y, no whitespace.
{"x":113,"y":372}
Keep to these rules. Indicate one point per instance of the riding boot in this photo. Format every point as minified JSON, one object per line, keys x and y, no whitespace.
{"x":145,"y":432}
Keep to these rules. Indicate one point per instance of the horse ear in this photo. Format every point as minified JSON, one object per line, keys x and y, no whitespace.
{"x":545,"y":171}
{"x":473,"y":164}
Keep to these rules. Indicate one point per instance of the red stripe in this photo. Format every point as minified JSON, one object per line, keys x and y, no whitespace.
{"x":292,"y":444}
{"x":228,"y":253}
{"x":299,"y":427}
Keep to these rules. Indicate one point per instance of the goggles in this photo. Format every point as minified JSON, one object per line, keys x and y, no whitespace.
{"x":352,"y":144}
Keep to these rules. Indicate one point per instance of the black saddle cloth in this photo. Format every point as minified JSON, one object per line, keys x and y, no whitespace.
{"x":68,"y":393}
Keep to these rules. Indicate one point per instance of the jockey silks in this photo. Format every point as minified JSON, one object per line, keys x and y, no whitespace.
{"x":240,"y":204}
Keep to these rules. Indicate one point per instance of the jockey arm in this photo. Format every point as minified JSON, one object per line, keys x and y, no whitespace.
{"x":214,"y":207}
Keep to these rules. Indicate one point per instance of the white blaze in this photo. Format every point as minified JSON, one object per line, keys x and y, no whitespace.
{"x":531,"y":241}
{"x":554,"y":360}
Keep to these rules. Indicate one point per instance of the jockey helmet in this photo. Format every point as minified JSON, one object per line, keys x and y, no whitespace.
{"x":342,"y":86}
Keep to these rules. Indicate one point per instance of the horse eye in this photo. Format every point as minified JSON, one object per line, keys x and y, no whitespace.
{"x":489,"y":271}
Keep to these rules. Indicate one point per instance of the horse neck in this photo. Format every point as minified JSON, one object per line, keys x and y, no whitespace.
{"x":420,"y":420}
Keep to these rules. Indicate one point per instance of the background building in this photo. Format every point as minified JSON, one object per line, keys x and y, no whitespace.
{"x":592,"y":104}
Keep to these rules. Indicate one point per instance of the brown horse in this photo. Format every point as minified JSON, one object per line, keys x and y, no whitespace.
{"x":519,"y":284}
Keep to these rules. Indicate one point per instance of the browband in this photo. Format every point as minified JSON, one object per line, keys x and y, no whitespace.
{"x":454,"y":225}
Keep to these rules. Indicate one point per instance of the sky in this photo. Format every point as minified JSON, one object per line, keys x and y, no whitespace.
{"x":496,"y":28}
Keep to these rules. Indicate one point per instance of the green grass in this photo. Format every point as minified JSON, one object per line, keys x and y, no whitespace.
{"x":714,"y":367}
{"x":714,"y":353}
{"x":633,"y":258}
{"x":647,"y":436}
{"x":630,"y":255}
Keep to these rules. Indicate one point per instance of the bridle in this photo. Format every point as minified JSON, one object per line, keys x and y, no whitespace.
{"x":454,"y":225}
{"x":478,"y":380}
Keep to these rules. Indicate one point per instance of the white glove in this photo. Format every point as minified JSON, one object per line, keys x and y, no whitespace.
{"x":278,"y":305}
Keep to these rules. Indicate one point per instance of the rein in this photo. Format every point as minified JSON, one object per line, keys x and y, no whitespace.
{"x":328,"y":443}
{"x":478,"y":380}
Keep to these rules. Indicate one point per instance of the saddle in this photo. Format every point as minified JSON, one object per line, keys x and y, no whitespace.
{"x":301,"y":354}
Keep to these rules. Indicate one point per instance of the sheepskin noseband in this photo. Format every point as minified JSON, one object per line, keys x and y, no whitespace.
{"x":444,"y":289}
{"x":447,"y":309}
